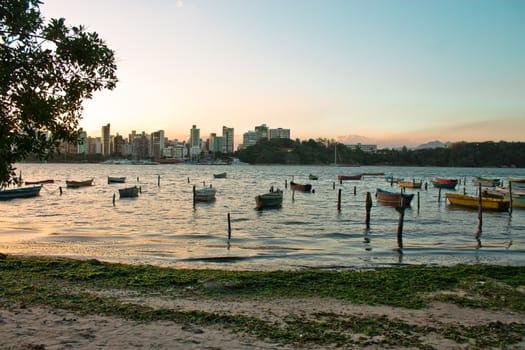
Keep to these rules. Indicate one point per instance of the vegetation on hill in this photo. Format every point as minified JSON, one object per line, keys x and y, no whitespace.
{"x":459,"y":154}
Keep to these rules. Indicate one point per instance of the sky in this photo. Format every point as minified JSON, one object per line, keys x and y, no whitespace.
{"x":385,"y":72}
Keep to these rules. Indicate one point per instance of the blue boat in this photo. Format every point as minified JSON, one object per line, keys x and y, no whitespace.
{"x":22,"y":192}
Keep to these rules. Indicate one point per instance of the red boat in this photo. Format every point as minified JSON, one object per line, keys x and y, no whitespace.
{"x":349,"y":177}
{"x":445,"y":183}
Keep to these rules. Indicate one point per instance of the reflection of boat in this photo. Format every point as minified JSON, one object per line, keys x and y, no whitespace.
{"x":113,"y":179}
{"x":349,"y":177}
{"x":300,"y":187}
{"x":445,"y":183}
{"x":220,"y":176}
{"x":75,"y":184}
{"x":393,"y":198}
{"x":483,"y":181}
{"x":38,"y":182}
{"x":272,"y":199}
{"x":410,"y":184}
{"x":205,"y":194}
{"x":487,"y":203}
{"x":128,"y":192}
{"x":21,"y":192}
{"x":313,"y":177}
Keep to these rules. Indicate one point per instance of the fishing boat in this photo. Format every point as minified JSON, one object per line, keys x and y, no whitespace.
{"x":220,"y":176}
{"x":410,"y":184}
{"x":76,"y":184}
{"x":21,"y":192}
{"x":128,"y":192}
{"x":300,"y":187}
{"x":393,"y":198}
{"x":487,"y":203}
{"x":272,"y":199}
{"x":113,"y":179}
{"x":206,"y":194}
{"x":38,"y":182}
{"x":313,"y":177}
{"x":445,"y":183}
{"x":349,"y":177}
{"x":487,"y":182}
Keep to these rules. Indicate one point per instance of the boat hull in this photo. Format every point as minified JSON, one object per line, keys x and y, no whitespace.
{"x":300,"y":187}
{"x":269,"y":200}
{"x":76,"y":184}
{"x":112,"y":179}
{"x":487,"y":203}
{"x":449,"y":184}
{"x":410,"y":184}
{"x":205,"y":194}
{"x":24,"y":192}
{"x":349,"y":177}
{"x":129,"y":192}
{"x":393,"y":198}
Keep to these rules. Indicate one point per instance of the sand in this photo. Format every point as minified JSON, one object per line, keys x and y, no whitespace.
{"x":43,"y":328}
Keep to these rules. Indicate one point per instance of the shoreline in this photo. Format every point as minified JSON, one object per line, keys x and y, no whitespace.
{"x":51,"y":303}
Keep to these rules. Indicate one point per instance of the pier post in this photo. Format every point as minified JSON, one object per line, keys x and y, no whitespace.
{"x":193,"y":196}
{"x":439,"y":195}
{"x":293,"y":196}
{"x":355,"y":190}
{"x":285,"y":183}
{"x":418,"y":201}
{"x":368,"y":208}
{"x":60,"y":189}
{"x":137,"y":179}
{"x":339,"y":200}
{"x":480,"y":208}
{"x":229,"y":228}
{"x":113,"y":199}
{"x":333,"y":186}
{"x":510,"y":198}
{"x":158,"y":180}
{"x":401,"y":211}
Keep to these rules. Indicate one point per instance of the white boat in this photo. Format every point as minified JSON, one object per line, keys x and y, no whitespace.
{"x":205,"y":194}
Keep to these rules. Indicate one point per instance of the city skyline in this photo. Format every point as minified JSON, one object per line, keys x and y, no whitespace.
{"x":390,"y":73}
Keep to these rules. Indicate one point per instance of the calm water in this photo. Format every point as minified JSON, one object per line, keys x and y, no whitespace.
{"x":161,"y":227}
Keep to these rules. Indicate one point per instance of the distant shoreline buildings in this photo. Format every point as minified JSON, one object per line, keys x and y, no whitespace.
{"x":157,"y":146}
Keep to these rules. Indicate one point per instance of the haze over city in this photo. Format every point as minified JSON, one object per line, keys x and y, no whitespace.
{"x":386,"y":72}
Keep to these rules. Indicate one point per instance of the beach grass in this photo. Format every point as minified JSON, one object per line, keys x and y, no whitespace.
{"x":75,"y":285}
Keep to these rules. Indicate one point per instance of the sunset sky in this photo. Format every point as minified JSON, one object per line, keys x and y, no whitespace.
{"x":390,"y":72}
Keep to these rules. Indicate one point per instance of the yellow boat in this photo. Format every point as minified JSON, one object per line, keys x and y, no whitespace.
{"x":410,"y":184}
{"x":487,"y":203}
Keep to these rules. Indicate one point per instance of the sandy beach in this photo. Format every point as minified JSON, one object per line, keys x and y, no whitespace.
{"x":52,"y":329}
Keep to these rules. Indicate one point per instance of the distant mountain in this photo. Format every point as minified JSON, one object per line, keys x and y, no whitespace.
{"x":433,"y":144}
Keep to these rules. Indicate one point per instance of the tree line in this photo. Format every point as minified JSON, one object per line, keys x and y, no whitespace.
{"x":325,"y":152}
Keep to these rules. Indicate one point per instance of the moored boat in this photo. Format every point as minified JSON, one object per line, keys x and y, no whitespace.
{"x":349,"y":177}
{"x":220,"y":175}
{"x":394,"y":198}
{"x":300,"y":187}
{"x":76,"y":184}
{"x":410,"y":184}
{"x":38,"y":182}
{"x":205,"y":194}
{"x":313,"y":177}
{"x":487,"y":203}
{"x":128,"y":192}
{"x":272,"y":199}
{"x":483,"y":181}
{"x":21,"y":192}
{"x":114,"y":179}
{"x":445,"y":183}
{"x":391,"y":179}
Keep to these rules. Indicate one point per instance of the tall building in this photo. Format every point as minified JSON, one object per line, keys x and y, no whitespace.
{"x":261,"y":133}
{"x":82,"y":146}
{"x":106,"y":140}
{"x":157,"y":144}
{"x":195,"y":143}
{"x":279,"y":133}
{"x":249,"y":138}
{"x":227,"y":134}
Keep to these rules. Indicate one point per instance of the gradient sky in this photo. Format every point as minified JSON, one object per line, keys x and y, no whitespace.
{"x":390,"y":72}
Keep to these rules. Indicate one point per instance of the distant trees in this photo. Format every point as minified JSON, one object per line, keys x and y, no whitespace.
{"x":46,"y":72}
{"x":460,"y":154}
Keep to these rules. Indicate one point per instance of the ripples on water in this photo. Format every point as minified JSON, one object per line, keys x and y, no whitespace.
{"x":161,"y":227}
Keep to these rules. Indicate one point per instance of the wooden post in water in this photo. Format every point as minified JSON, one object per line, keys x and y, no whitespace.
{"x":229,"y":228}
{"x":293,"y":196}
{"x":188,"y":179}
{"x":401,"y":211}
{"x":333,"y":186}
{"x":113,"y":199}
{"x":285,"y":183}
{"x":480,"y":208}
{"x":137,"y":179}
{"x":368,"y":207}
{"x":140,"y":189}
{"x":418,"y":201}
{"x":158,"y":180}
{"x":426,"y":186}
{"x":439,"y":195}
{"x":510,"y":198}
{"x":355,"y":190}
{"x":193,"y":196}
{"x":339,"y":200}
{"x":60,"y":189}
